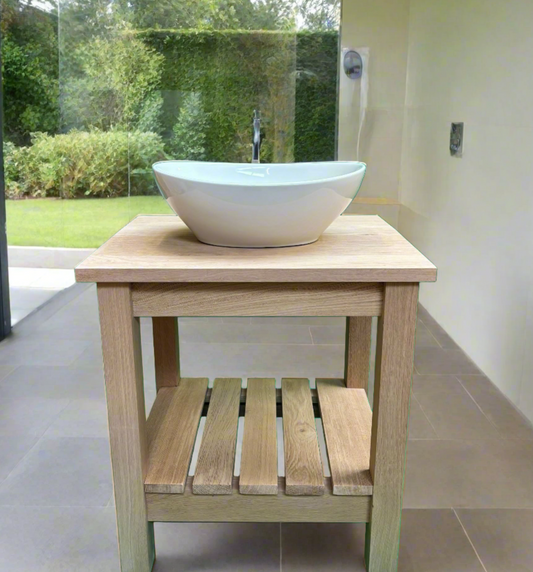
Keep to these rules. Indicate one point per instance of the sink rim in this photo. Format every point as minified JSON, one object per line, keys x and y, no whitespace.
{"x":358,"y":167}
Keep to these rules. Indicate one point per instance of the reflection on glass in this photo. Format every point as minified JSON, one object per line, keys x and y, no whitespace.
{"x":98,"y":90}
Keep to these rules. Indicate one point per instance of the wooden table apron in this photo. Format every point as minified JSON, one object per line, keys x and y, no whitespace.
{"x":361,"y":267}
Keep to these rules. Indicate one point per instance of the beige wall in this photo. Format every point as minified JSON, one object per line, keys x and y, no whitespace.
{"x":470,"y":60}
{"x":382,"y":26}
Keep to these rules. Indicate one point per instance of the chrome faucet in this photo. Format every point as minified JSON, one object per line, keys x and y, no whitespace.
{"x":256,"y":142}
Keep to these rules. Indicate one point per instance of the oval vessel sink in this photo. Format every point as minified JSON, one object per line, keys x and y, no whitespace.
{"x":258,"y":205}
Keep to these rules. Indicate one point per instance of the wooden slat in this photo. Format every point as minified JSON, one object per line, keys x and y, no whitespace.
{"x":249,"y":299}
{"x":394,"y":369}
{"x":347,"y":422}
{"x":257,"y":508}
{"x":171,"y":427}
{"x":166,"y":352}
{"x":358,"y":342}
{"x":214,"y":471}
{"x":121,"y":349}
{"x":163,"y":249}
{"x":259,"y":463}
{"x":303,"y":466}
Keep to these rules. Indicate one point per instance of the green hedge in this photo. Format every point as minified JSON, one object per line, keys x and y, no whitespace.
{"x":78,"y":163}
{"x":290,"y":77}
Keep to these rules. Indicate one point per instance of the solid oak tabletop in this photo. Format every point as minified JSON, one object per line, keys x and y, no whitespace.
{"x":162,"y":249}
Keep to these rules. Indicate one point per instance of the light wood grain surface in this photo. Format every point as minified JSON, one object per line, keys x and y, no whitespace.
{"x":347,"y":422}
{"x":189,"y":507}
{"x":127,"y":436}
{"x":259,"y":462}
{"x":171,"y":428}
{"x":303,"y":467}
{"x":394,"y":369}
{"x":251,"y":299}
{"x":357,"y":357}
{"x":214,"y":470}
{"x":166,"y":352}
{"x":163,"y":249}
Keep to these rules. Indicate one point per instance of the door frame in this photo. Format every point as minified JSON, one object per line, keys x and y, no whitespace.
{"x":5,"y":308}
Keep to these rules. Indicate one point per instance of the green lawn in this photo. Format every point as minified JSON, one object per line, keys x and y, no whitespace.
{"x":76,"y":223}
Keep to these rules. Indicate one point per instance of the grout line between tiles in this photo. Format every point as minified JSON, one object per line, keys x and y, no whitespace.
{"x":424,"y":413}
{"x":469,"y":540}
{"x":433,"y":336}
{"x":479,"y":407}
{"x":39,"y":439}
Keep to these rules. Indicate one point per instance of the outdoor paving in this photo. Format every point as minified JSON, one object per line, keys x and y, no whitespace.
{"x":469,"y":481}
{"x":30,"y":288}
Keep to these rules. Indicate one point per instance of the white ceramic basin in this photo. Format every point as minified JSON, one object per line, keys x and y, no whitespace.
{"x":248,"y":205}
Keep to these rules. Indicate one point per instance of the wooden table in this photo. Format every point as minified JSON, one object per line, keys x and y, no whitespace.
{"x":361,"y":267}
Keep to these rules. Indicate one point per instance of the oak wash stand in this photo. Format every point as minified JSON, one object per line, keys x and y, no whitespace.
{"x":361,"y":267}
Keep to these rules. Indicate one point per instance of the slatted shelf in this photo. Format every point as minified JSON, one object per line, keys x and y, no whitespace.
{"x":173,"y":422}
{"x":303,"y":466}
{"x":171,"y":430}
{"x":214,"y":471}
{"x":259,"y":462}
{"x":347,"y":422}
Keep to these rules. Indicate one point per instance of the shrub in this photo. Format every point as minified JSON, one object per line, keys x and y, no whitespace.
{"x":78,"y":163}
{"x":188,"y":138}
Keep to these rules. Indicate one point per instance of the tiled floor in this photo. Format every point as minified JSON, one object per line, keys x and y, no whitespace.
{"x":30,"y":288}
{"x":469,"y":482}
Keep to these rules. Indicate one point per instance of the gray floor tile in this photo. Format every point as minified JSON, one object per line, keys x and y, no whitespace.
{"x":12,"y":450}
{"x":71,"y":326}
{"x":419,"y":425}
{"x":502,"y":538}
{"x":90,"y":357}
{"x":5,"y":370}
{"x":235,"y":333}
{"x":434,"y":541}
{"x":233,"y":320}
{"x":61,"y":472}
{"x":509,"y":421}
{"x":30,"y":297}
{"x":442,"y":361}
{"x":321,"y":547}
{"x":302,"y":321}
{"x":28,"y":415}
{"x":270,"y":360}
{"x":217,"y":547}
{"x":37,"y":350}
{"x":450,"y":409}
{"x":81,"y":418}
{"x":445,"y":341}
{"x":53,"y":382}
{"x":424,"y":338}
{"x":149,"y":398}
{"x":328,"y":334}
{"x":58,"y":540}
{"x":496,"y":473}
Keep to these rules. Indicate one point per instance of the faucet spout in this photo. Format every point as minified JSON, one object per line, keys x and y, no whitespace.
{"x":256,"y":142}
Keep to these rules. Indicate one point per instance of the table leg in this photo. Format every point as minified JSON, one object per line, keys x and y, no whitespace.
{"x":166,"y":352}
{"x":127,"y":419}
{"x":394,"y":366}
{"x":357,"y":357}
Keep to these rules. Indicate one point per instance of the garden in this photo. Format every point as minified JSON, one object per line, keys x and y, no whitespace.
{"x":98,"y":91}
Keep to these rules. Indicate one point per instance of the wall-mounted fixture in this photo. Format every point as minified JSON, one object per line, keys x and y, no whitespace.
{"x":353,"y":64}
{"x":457,"y":139}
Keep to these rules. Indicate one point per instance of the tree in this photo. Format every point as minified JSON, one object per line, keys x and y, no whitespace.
{"x":114,"y":84}
{"x":189,"y":133}
{"x":30,"y":70}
